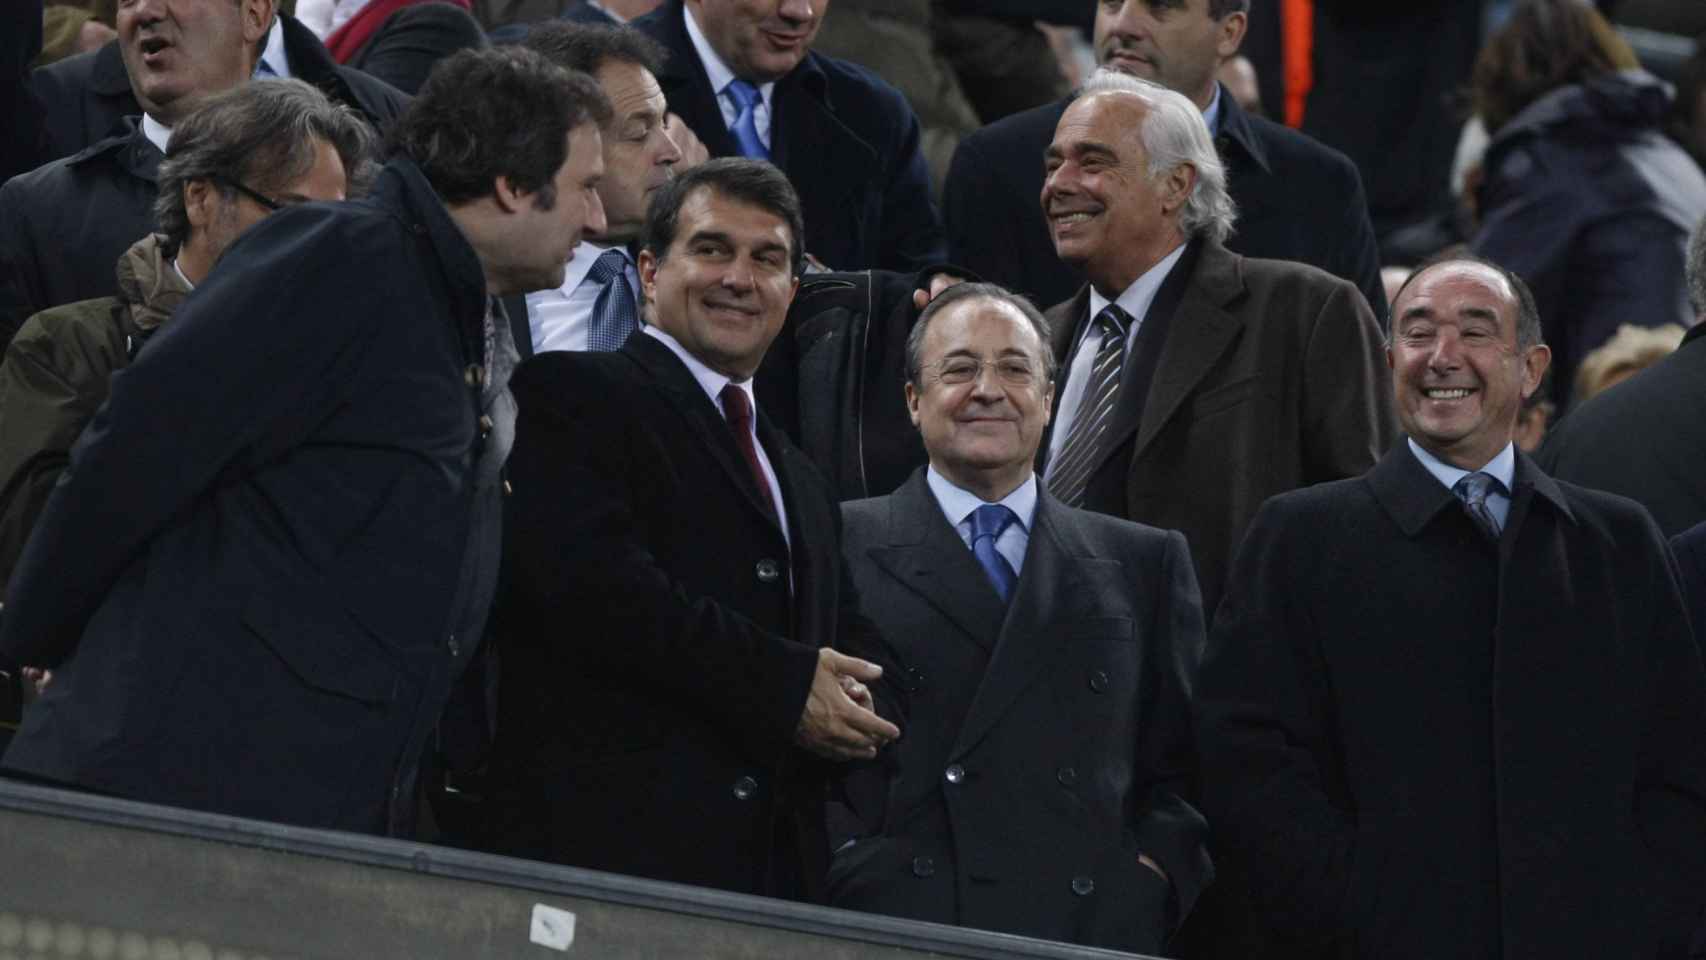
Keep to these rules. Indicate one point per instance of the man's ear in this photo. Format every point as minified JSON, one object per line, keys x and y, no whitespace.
{"x":647,"y":265}
{"x":510,"y":199}
{"x":1534,"y":364}
{"x":257,"y":16}
{"x":1177,"y":185}
{"x":1229,"y":34}
{"x":912,"y":403}
{"x":201,"y":199}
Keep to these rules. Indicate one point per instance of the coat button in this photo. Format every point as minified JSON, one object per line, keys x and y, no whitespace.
{"x":955,"y":774}
{"x":1067,"y":776}
{"x":1098,"y":680}
{"x":744,"y":788}
{"x":485,"y":425}
{"x":923,"y":867}
{"x":768,"y":571}
{"x":1083,"y":886}
{"x":474,"y":376}
{"x":455,"y":648}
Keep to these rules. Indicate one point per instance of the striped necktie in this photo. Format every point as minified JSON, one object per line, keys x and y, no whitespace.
{"x":1472,"y":489}
{"x":1079,"y":456}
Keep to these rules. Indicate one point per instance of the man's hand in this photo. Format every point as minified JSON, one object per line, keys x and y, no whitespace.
{"x":1151,"y":864}
{"x":835,"y":724}
{"x":38,"y":679}
{"x":938,"y":283}
{"x":693,"y":151}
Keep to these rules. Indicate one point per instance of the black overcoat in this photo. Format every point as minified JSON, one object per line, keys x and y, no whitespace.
{"x":1417,"y":743}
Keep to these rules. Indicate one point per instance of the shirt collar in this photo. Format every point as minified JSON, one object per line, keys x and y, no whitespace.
{"x":958,"y":503}
{"x":1211,"y":116}
{"x":1502,"y":467}
{"x":1136,"y":299}
{"x":273,"y":56}
{"x":157,"y":133}
{"x":718,"y":72}
{"x":601,"y":8}
{"x":709,"y":380}
{"x":179,"y":271}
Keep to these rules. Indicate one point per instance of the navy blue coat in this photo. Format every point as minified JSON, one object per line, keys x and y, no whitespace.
{"x":275,"y":546}
{"x":848,"y":141}
{"x":1297,"y":200}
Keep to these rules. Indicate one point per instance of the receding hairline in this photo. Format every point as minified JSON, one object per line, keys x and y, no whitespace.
{"x":1007,"y":306}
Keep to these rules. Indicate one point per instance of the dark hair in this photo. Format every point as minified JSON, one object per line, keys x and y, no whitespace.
{"x":586,"y":47}
{"x":978,"y":291}
{"x":753,"y":182}
{"x":1696,"y":269}
{"x":500,"y":112}
{"x":1528,"y":332}
{"x":262,"y":135}
{"x":1221,"y":9}
{"x":1546,"y":44}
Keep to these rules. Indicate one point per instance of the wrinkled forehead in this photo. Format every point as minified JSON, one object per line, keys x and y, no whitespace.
{"x":1454,"y":287}
{"x":984,"y":326}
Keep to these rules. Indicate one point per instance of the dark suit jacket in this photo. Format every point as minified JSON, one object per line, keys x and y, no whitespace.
{"x":655,"y":662}
{"x":276,"y":544}
{"x":84,"y":97}
{"x":1067,"y":712}
{"x":1270,"y":377}
{"x":1416,"y":743}
{"x":1690,"y":549}
{"x":1644,"y":438}
{"x":1297,"y":200}
{"x":847,"y":140}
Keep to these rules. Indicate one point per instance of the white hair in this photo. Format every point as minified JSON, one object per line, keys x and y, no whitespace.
{"x":1175,"y":133}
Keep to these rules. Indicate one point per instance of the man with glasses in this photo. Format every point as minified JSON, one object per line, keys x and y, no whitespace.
{"x":1047,"y":658}
{"x":240,"y":157}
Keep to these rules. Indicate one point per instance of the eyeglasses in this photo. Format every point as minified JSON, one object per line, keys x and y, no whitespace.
{"x":252,"y":194}
{"x":957,"y":371}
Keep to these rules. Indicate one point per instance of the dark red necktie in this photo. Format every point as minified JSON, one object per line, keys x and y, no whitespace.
{"x":738,"y":412}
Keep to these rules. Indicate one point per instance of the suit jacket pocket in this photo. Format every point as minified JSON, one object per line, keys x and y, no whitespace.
{"x":1224,"y":397}
{"x":322,"y":645}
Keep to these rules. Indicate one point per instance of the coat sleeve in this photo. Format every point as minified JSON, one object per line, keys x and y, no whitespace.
{"x":1166,"y":826}
{"x":981,"y":237}
{"x":49,"y":390}
{"x":578,"y":457}
{"x":242,"y":358}
{"x":1348,"y":421}
{"x":1261,"y":723}
{"x":912,"y":234}
{"x":20,"y":266}
{"x":1357,"y":254}
{"x":1670,"y":786}
{"x":21,"y":148}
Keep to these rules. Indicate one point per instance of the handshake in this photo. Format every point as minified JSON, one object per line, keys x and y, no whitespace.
{"x":840,"y":720}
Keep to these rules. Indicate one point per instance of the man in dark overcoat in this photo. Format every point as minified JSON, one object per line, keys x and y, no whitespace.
{"x":1194,"y":383}
{"x":743,"y":77}
{"x":1047,"y":658}
{"x":671,"y":700}
{"x":1452,"y":707}
{"x":275,"y":546}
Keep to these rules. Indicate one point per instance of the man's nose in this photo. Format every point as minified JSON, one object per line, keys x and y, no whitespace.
{"x":595,"y":222}
{"x":1447,"y":352}
{"x":797,"y":11}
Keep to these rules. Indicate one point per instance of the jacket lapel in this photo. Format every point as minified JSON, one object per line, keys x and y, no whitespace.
{"x":1059,"y":570}
{"x":926,"y":555}
{"x":1201,"y":334}
{"x":686,"y":85}
{"x":1068,"y":321}
{"x":804,"y":124}
{"x":704,"y":420}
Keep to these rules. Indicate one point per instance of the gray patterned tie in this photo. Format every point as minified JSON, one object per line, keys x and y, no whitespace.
{"x":1070,"y":473}
{"x":1472,"y":489}
{"x":614,"y":313}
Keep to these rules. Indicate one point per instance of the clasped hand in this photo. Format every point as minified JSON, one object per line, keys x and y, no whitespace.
{"x":840,"y":721}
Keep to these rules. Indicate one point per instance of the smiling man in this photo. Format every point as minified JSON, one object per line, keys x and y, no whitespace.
{"x":673,"y":696}
{"x":1016,"y":618}
{"x":1195,"y":383}
{"x":1299,"y":200}
{"x":1453,"y":707}
{"x":743,"y":76}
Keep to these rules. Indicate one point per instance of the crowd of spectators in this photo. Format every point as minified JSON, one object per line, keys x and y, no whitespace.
{"x":1206,"y":478}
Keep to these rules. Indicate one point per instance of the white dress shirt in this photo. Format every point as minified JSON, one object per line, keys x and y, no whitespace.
{"x":157,"y":133}
{"x":1135,"y":301}
{"x":561,"y":318}
{"x":273,"y":56}
{"x":1211,"y":116}
{"x":713,"y":383}
{"x":1501,"y":468}
{"x":959,"y":504}
{"x":720,"y":76}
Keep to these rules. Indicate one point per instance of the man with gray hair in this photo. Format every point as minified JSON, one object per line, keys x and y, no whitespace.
{"x":1195,"y":383}
{"x":1016,"y":621}
{"x":1645,"y":438}
{"x":234,"y":160}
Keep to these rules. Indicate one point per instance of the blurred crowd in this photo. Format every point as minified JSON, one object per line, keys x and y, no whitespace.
{"x":1205,"y":478}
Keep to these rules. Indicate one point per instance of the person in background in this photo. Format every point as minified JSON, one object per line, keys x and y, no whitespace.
{"x":1582,"y":194}
{"x":1631,"y":350}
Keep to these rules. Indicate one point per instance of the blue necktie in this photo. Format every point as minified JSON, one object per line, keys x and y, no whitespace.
{"x":987,"y":524}
{"x":1472,"y":489}
{"x":745,"y":127}
{"x":614,"y":313}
